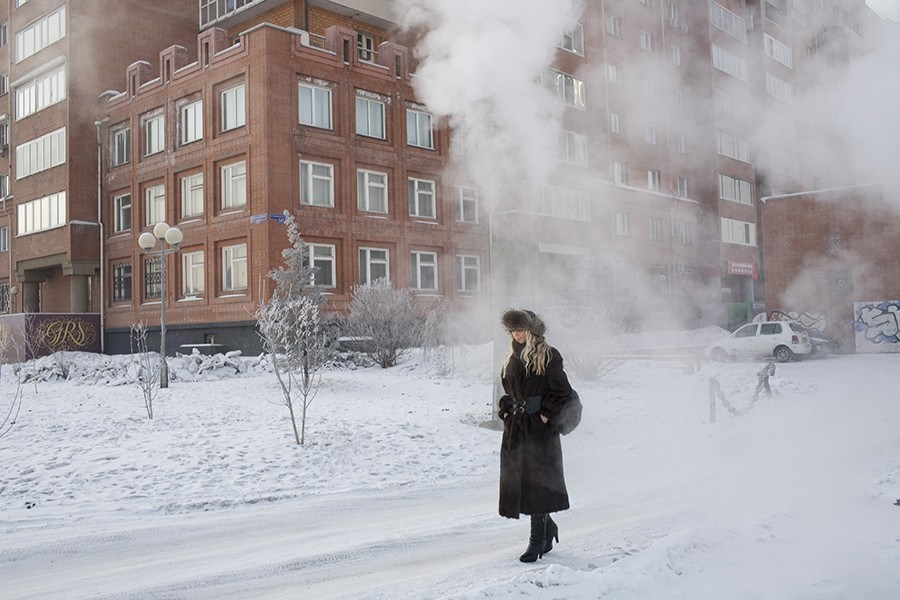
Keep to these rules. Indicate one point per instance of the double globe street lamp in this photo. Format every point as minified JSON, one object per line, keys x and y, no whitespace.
{"x":167,"y":239}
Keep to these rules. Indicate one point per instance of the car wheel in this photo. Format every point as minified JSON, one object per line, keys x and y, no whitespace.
{"x":783,"y":354}
{"x":718,"y":355}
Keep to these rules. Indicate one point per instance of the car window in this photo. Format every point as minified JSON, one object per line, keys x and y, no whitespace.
{"x":746,"y":331}
{"x":769,"y":328}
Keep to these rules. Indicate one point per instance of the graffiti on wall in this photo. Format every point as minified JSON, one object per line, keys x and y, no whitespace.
{"x":877,"y":326}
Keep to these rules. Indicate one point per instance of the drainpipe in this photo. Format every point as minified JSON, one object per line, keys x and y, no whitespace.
{"x":98,"y":124}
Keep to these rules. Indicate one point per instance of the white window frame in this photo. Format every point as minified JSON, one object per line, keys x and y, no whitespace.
{"x":324,"y":258}
{"x":422,"y":195}
{"x":308,"y":179}
{"x":419,"y":129}
{"x":365,"y":46}
{"x":367,"y":184}
{"x":44,"y":90}
{"x":122,"y":213}
{"x":623,"y":223}
{"x":573,"y":147}
{"x":729,"y":63}
{"x":680,"y":147}
{"x":778,"y":88}
{"x":154,"y":127}
{"x":234,"y":185}
{"x":43,"y":32}
{"x":314,"y":105}
{"x":778,"y":51}
{"x":367,"y":123}
{"x":423,"y":271}
{"x":41,"y":214}
{"x":735,"y":190}
{"x":615,"y":73}
{"x":121,"y":147}
{"x":41,"y":153}
{"x":676,"y":56}
{"x":368,"y":260}
{"x":653,"y":180}
{"x":617,"y":123}
{"x":233,"y":104}
{"x":737,"y":232}
{"x":193,"y":273}
{"x":468,"y":268}
{"x":683,"y":233}
{"x":656,"y":229}
{"x":646,"y":41}
{"x":573,"y":40}
{"x":192,"y":187}
{"x":620,"y":172}
{"x":191,"y":122}
{"x":727,"y":21}
{"x":650,"y":135}
{"x":682,"y":189}
{"x":568,"y":88}
{"x":733,"y":146}
{"x":613,"y":25}
{"x":4,"y":238}
{"x":466,"y":204}
{"x":234,"y":267}
{"x":155,"y":204}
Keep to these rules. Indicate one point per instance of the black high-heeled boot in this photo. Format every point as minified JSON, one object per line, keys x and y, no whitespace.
{"x":536,"y":540}
{"x":552,"y":531}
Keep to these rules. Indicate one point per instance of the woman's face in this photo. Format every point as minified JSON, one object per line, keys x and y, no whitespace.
{"x":518,"y":335}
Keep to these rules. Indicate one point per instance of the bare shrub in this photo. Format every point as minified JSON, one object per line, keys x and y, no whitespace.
{"x":384,"y":319}
{"x":12,"y":399}
{"x":587,"y":339}
{"x":147,"y":366}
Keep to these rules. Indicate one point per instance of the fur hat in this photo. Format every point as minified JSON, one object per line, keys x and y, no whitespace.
{"x":518,"y":318}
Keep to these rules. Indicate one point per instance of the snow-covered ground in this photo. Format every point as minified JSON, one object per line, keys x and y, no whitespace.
{"x":394,"y":494}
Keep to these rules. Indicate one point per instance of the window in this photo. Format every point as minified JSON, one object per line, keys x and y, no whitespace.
{"x":322,"y":257}
{"x":679,"y":143}
{"x":421,"y":198}
{"x":613,"y":25}
{"x":567,"y":88}
{"x":658,"y":276}
{"x":155,"y":196}
{"x":42,"y":214}
{"x":315,"y":106}
{"x":40,"y":154}
{"x":779,"y":88}
{"x":682,"y":191}
{"x":121,"y":146}
{"x":4,"y":84}
{"x":738,"y":232}
{"x":656,"y":226}
{"x":4,"y":186}
{"x":650,"y":135}
{"x":233,"y":108}
{"x":373,"y":265}
{"x":645,"y":2}
{"x":769,"y":328}
{"x":122,"y":282}
{"x":122,"y":213}
{"x":646,"y":41}
{"x":727,"y":21}
{"x":41,"y":92}
{"x":154,"y":134}
{"x":732,"y":104}
{"x":152,"y":278}
{"x":423,"y":271}
{"x":778,"y":51}
{"x":623,"y":223}
{"x":192,"y":195}
{"x":4,"y":238}
{"x":45,"y":31}
{"x":573,"y":147}
{"x":573,"y":40}
{"x":5,"y":304}
{"x":729,"y":63}
{"x":192,"y":273}
{"x":620,"y":172}
{"x":371,"y":189}
{"x":615,"y":73}
{"x":653,"y":180}
{"x":562,"y":203}
{"x":316,"y":184}
{"x":418,"y":129}
{"x":234,"y":185}
{"x":4,"y":33}
{"x":683,"y":233}
{"x":616,"y":123}
{"x":676,"y":56}
{"x":234,"y":267}
{"x":192,"y":122}
{"x":370,"y":117}
{"x":468,"y":273}
{"x":365,"y":45}
{"x":733,"y":146}
{"x":466,"y":201}
{"x":736,"y":190}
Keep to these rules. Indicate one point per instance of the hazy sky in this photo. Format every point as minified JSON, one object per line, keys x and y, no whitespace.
{"x":889,"y":9}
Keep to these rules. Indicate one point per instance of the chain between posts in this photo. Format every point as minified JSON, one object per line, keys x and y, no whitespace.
{"x":716,"y":393}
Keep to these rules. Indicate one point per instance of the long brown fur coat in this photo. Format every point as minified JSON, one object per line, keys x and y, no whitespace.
{"x":531,"y":463}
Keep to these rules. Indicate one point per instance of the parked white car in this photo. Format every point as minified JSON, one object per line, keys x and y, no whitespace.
{"x":780,"y":339}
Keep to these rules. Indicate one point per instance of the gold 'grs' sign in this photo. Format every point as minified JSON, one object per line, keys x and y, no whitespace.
{"x":65,"y":333}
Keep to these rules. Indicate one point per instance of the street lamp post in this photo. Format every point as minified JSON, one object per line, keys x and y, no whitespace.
{"x":162,"y":235}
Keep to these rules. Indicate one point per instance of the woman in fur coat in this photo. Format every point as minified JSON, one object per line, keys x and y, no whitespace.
{"x":531,"y":464}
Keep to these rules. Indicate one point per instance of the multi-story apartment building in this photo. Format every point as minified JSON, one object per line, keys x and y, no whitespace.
{"x":678,"y":117}
{"x":56,"y":57}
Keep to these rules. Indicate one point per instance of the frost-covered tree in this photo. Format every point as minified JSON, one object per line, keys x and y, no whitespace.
{"x":384,"y":319}
{"x":146,"y":366}
{"x":291,"y":329}
{"x":10,"y":388}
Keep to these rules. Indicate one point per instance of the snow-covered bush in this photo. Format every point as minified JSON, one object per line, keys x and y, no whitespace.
{"x":384,"y":319}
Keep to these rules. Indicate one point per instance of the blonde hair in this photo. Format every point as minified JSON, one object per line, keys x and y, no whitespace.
{"x":535,"y":354}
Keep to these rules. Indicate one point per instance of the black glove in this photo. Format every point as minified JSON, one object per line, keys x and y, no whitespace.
{"x":533,"y":404}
